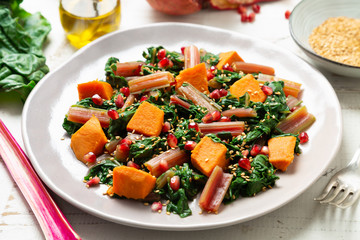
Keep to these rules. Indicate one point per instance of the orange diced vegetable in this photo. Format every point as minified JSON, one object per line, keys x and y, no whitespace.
{"x":132,"y":183}
{"x":207,"y":155}
{"x":252,"y":68}
{"x":250,"y":85}
{"x":89,"y":89}
{"x":228,"y":58}
{"x":281,"y":151}
{"x":147,"y":120}
{"x":196,"y":76}
{"x":89,"y":138}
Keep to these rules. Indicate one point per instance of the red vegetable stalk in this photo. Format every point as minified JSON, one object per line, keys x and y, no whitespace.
{"x":178,"y":101}
{"x":128,"y":69}
{"x":172,"y":157}
{"x":235,"y":128}
{"x":149,"y":82}
{"x":240,"y":112}
{"x":198,"y":98}
{"x":82,"y":115}
{"x":297,"y":121}
{"x":192,"y":56}
{"x":214,"y":190}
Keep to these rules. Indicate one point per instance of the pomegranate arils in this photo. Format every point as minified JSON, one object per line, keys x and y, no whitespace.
{"x":163,"y":166}
{"x":294,"y":108}
{"x":225,"y":119}
{"x":244,"y":163}
{"x":92,"y":182}
{"x":122,"y":151}
{"x":144,"y":98}
{"x":161,"y":54}
{"x":126,"y":141}
{"x":216,"y":115}
{"x":194,"y":125}
{"x":223,"y":92}
{"x":90,"y":157}
{"x":255,"y":150}
{"x":251,"y":17}
{"x":244,"y":17}
{"x":255,"y":8}
{"x":264,"y":150}
{"x":182,"y":50}
{"x":132,"y":164}
{"x":190,"y":145}
{"x":156,"y":206}
{"x":175,"y":183}
{"x":213,"y":68}
{"x":215,"y":94}
{"x":125,"y":91}
{"x":208,"y":118}
{"x":287,"y":14}
{"x":304,"y":137}
{"x":164,"y":63}
{"x":119,"y":101}
{"x":172,"y":140}
{"x":113,"y":114}
{"x":267,"y":90}
{"x":210,"y":75}
{"x":241,"y":9}
{"x":245,"y":153}
{"x":166,"y":127}
{"x":97,"y":99}
{"x":227,"y":67}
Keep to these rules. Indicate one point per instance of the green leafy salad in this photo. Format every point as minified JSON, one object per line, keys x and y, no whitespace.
{"x":175,"y":126}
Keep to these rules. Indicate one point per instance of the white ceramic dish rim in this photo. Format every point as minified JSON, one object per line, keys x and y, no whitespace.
{"x":187,"y":223}
{"x":306,"y":49}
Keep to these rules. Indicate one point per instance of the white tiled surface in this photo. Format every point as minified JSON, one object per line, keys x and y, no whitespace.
{"x":302,"y":218}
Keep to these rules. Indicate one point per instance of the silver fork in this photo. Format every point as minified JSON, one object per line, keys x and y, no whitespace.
{"x":343,"y":188}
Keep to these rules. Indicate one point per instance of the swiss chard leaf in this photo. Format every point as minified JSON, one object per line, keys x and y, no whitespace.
{"x":103,"y":170}
{"x":115,"y":81}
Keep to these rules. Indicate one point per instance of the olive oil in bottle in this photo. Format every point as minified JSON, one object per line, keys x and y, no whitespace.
{"x":86,"y":20}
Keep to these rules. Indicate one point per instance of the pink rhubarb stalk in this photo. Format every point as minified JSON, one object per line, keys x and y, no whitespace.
{"x":149,"y":82}
{"x":192,"y":56}
{"x":128,"y":102}
{"x":235,"y":128}
{"x":172,"y":157}
{"x":178,"y":101}
{"x":214,"y":190}
{"x":297,"y":121}
{"x":52,"y":221}
{"x":82,"y":115}
{"x":128,"y":69}
{"x":240,"y":112}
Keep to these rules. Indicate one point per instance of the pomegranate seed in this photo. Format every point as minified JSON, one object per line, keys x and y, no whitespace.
{"x":294,"y":108}
{"x":172,"y":140}
{"x":267,"y":90}
{"x":190,"y":145}
{"x":251,"y":17}
{"x":255,"y":8}
{"x":97,"y":99}
{"x":244,"y":17}
{"x":164,"y":63}
{"x":304,"y":137}
{"x":175,"y":183}
{"x":119,"y":101}
{"x":113,"y":114}
{"x":225,"y":119}
{"x":156,"y":206}
{"x":194,"y":125}
{"x":138,"y":70}
{"x":223,"y":92}
{"x":216,"y":115}
{"x":241,"y":9}
{"x":215,"y":94}
{"x":144,"y":98}
{"x":228,"y":67}
{"x":92,"y":182}
{"x":163,"y":166}
{"x":122,"y":151}
{"x":208,"y":118}
{"x":287,"y":14}
{"x":166,"y":127}
{"x":264,"y":150}
{"x":125,"y":91}
{"x":161,"y":54}
{"x":90,"y":157}
{"x":132,"y":164}
{"x":213,"y":68}
{"x":245,"y":153}
{"x":182,"y":50}
{"x":126,"y":141}
{"x":255,"y":150}
{"x":244,"y":163}
{"x":210,"y":75}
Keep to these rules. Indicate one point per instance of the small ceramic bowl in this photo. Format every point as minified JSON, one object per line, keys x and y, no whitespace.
{"x":309,"y":14}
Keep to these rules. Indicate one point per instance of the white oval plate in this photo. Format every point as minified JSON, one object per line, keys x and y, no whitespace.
{"x":57,"y":166}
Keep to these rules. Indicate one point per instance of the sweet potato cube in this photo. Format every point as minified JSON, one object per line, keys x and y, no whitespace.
{"x":207,"y":155}
{"x":281,"y":151}
{"x":228,"y":58}
{"x":132,"y":183}
{"x":196,"y":76}
{"x":250,"y":85}
{"x":89,"y":138}
{"x":89,"y":89}
{"x":147,"y":120}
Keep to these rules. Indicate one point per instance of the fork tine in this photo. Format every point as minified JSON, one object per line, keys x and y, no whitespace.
{"x":327,"y":190}
{"x":341,"y":199}
{"x":332,"y":195}
{"x":352,"y":200}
